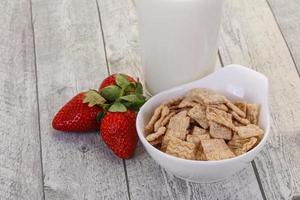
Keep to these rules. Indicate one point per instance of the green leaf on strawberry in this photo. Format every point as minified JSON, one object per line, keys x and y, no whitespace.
{"x":92,"y":97}
{"x":122,"y":92}
{"x":133,"y":101}
{"x":139,"y":88}
{"x":117,"y":107}
{"x":111,"y":92}
{"x":99,"y":116}
{"x":130,"y":98}
{"x":131,"y":88}
{"x":122,"y":81}
{"x":105,"y":106}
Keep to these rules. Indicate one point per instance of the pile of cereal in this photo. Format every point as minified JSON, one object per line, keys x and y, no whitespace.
{"x":204,"y":125}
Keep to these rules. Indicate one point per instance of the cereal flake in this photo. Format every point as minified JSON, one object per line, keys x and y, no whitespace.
{"x":219,"y":116}
{"x":206,"y":96}
{"x":181,"y":149}
{"x":161,"y":131}
{"x":219,"y":131}
{"x":248,"y":131}
{"x":216,"y":149}
{"x":252,"y":113}
{"x":198,"y":113}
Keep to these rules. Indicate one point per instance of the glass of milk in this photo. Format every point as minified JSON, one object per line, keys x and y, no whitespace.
{"x":179,"y":40}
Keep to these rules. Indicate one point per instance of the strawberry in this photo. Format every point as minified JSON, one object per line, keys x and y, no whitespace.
{"x":116,"y":103}
{"x":119,"y":133}
{"x":111,"y":80}
{"x":79,"y":114}
{"x":124,"y":96}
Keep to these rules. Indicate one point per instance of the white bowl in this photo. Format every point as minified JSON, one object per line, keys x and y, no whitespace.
{"x":236,"y":83}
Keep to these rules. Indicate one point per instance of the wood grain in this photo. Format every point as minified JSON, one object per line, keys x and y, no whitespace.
{"x":146,"y":179}
{"x":288,"y":18}
{"x":20,"y":160}
{"x":250,"y":36}
{"x":121,"y":36}
{"x":70,"y":59}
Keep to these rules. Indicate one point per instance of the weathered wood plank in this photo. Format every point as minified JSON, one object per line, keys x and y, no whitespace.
{"x":146,"y":179}
{"x":288,"y":18}
{"x":20,"y":160}
{"x":70,"y":58}
{"x":121,"y":36}
{"x":250,"y":36}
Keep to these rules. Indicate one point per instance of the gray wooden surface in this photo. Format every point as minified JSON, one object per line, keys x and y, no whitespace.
{"x":20,"y":152}
{"x":50,"y":50}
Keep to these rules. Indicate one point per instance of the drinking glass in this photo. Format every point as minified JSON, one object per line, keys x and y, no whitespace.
{"x":179,"y":40}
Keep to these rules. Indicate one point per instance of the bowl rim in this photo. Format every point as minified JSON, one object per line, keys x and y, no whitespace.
{"x":256,"y":149}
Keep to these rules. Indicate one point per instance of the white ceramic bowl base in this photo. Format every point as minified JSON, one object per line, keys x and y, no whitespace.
{"x":235,"y":82}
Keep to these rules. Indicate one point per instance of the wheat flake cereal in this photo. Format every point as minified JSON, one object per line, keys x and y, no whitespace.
{"x":165,"y":141}
{"x":180,"y":134}
{"x":196,"y":138}
{"x":248,"y":131}
{"x":204,"y":125}
{"x":241,"y":120}
{"x":198,"y":131}
{"x":237,"y":123}
{"x":164,"y":113}
{"x":198,"y":113}
{"x":219,"y":116}
{"x":219,"y":131}
{"x":179,"y":122}
{"x":151,"y":137}
{"x":241,"y":105}
{"x":206,"y":96}
{"x":241,"y":146}
{"x":235,"y":136}
{"x":220,"y":107}
{"x":200,"y":155}
{"x":252,"y":113}
{"x":235,"y":109}
{"x":181,"y":149}
{"x":177,"y":127}
{"x":216,"y":149}
{"x":150,"y":126}
{"x":187,"y":102}
{"x":156,"y":142}
{"x":166,"y":120}
{"x":174,"y":102}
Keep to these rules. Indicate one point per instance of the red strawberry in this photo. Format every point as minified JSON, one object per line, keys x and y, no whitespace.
{"x":123,"y":95}
{"x":77,"y":115}
{"x":111,"y":80}
{"x":119,"y":133}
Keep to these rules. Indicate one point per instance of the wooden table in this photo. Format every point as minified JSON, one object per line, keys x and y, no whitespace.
{"x":52,"y":49}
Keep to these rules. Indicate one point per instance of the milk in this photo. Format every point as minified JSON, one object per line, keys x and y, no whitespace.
{"x":178,"y":40}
